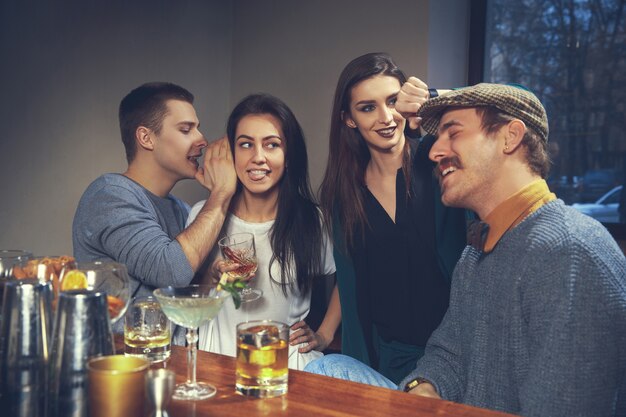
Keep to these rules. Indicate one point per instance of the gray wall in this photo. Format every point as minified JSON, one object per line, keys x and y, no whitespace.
{"x":299,"y":57}
{"x":66,"y":65}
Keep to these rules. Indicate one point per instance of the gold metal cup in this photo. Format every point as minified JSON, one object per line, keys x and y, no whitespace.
{"x":116,"y":386}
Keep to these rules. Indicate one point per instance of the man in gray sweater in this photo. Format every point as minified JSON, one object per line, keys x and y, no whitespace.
{"x":131,"y":217}
{"x":537,"y":318}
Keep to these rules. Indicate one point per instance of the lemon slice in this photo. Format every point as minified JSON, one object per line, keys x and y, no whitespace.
{"x":223,"y":280}
{"x":74,"y":280}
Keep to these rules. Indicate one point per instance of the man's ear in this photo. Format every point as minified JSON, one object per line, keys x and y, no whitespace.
{"x":144,"y":138}
{"x":348,"y":120}
{"x":513,"y":135}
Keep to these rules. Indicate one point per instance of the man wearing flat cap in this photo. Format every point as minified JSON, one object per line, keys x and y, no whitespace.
{"x":537,"y":319}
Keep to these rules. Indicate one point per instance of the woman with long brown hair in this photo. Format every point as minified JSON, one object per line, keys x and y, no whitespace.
{"x":274,"y":202}
{"x":395,"y":244}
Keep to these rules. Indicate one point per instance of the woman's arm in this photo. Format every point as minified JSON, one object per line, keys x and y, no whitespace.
{"x":332,"y":319}
{"x":412,"y":95}
{"x":325,"y":334}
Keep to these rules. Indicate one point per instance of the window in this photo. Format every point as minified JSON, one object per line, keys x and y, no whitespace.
{"x":572,"y":55}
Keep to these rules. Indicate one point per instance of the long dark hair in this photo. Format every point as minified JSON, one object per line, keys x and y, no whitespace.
{"x":296,"y":236}
{"x":341,"y":192}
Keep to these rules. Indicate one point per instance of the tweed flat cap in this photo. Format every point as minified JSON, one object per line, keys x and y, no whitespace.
{"x":513,"y":100}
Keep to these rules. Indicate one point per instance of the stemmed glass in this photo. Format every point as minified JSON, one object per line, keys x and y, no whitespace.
{"x":8,"y":259}
{"x":239,"y":248}
{"x":110,"y":277}
{"x":66,"y":274}
{"x":190,"y":307}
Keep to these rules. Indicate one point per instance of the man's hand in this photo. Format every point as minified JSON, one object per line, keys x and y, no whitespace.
{"x":218,"y":171}
{"x":219,"y":177}
{"x":425,"y":389}
{"x":412,"y":95}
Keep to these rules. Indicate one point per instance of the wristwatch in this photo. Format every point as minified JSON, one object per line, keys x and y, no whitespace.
{"x":432,"y":93}
{"x":414,"y":383}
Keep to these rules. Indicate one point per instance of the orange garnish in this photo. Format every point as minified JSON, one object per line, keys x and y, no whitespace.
{"x":74,"y":280}
{"x":115,"y":306}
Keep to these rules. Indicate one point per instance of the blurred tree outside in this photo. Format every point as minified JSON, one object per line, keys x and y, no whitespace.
{"x":572,"y":55}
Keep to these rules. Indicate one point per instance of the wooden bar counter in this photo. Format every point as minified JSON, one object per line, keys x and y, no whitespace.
{"x":309,"y":396}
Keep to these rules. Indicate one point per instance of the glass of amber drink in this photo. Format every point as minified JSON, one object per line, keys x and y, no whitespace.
{"x":147,"y":330}
{"x":262,"y":357}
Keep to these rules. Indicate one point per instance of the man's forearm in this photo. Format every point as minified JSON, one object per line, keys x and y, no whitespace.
{"x":200,"y":236}
{"x":425,"y":389}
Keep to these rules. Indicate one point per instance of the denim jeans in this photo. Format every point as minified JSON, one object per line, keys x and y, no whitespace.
{"x":348,"y":368}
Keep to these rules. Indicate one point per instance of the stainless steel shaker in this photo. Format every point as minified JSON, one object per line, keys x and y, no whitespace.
{"x":82,"y":330}
{"x":24,"y":347}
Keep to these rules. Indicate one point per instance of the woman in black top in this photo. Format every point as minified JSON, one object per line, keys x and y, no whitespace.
{"x":395,"y":243}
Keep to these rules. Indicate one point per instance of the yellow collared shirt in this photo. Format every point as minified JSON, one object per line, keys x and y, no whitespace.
{"x":516,"y":208}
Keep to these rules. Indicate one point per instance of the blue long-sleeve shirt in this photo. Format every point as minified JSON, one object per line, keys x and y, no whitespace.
{"x":119,"y":220}
{"x":538,"y":326}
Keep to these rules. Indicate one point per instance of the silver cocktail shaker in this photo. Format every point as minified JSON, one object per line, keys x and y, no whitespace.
{"x":24,"y":347}
{"x":82,"y":330}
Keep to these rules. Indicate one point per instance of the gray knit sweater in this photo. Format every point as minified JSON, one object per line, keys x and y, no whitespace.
{"x":118,"y":219}
{"x":538,"y":326}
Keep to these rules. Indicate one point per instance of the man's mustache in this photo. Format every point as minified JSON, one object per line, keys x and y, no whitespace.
{"x":445,"y":163}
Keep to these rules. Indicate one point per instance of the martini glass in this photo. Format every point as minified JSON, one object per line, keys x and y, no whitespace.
{"x":239,"y":248}
{"x":190,"y":307}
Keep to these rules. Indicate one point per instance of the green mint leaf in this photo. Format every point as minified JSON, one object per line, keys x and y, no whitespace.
{"x":231,"y":288}
{"x":236,"y":299}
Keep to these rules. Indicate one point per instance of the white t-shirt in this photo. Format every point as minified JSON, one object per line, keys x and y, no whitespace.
{"x":219,"y":335}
